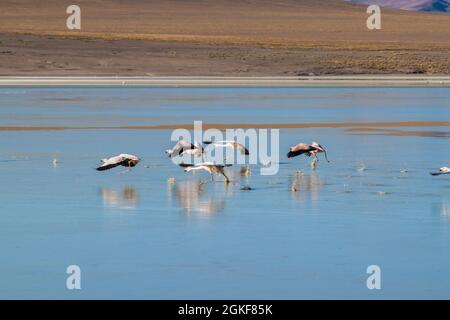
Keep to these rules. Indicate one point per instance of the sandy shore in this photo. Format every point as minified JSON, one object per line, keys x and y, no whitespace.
{"x":320,"y":81}
{"x":218,"y":38}
{"x":86,"y":54}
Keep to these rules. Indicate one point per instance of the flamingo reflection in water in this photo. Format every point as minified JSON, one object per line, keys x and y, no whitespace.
{"x":305,"y":186}
{"x":127,"y":198}
{"x":194,"y":197}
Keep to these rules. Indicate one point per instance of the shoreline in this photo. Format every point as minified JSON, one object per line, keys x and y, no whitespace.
{"x":354,"y":126}
{"x":300,"y":81}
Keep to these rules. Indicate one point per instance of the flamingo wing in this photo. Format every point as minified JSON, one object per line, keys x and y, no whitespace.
{"x":241,"y":148}
{"x":112,"y":163}
{"x":299,"y":149}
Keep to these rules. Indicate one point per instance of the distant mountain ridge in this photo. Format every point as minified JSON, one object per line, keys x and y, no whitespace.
{"x":412,"y":5}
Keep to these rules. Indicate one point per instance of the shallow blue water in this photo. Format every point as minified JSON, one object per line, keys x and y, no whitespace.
{"x":134,"y":235}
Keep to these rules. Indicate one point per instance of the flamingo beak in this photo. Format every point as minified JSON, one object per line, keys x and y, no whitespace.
{"x":326,"y":158}
{"x":325,"y":152}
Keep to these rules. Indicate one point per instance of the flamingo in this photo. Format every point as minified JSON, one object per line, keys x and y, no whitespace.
{"x":198,"y":151}
{"x":209,"y":167}
{"x":125,"y":160}
{"x":310,"y":150}
{"x":229,"y":144}
{"x":443,"y":170}
{"x":185,"y":147}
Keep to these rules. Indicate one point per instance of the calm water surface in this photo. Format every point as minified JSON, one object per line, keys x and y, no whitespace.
{"x":135,"y":235}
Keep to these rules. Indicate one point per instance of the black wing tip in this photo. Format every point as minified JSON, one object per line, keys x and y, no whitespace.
{"x":291,"y":154}
{"x":185,"y":165}
{"x":107,"y":167}
{"x":207,"y":142}
{"x":225,"y":165}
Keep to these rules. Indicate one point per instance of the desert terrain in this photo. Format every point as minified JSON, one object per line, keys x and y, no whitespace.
{"x":218,"y":38}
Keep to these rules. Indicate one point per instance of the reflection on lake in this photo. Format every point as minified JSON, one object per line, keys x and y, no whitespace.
{"x":126,"y":198}
{"x":193,"y":238}
{"x":305,"y":186}
{"x":194,"y":198}
{"x":445,"y":210}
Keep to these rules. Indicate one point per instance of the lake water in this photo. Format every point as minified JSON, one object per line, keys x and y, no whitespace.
{"x":136,"y":235}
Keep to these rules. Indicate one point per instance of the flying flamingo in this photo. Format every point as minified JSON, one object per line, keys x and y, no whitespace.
{"x":209,"y":167}
{"x":229,"y":144}
{"x":125,"y":160}
{"x":443,"y":170}
{"x":310,"y":150}
{"x":185,"y":147}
